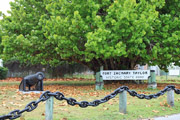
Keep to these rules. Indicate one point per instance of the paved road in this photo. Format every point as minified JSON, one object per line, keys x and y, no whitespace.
{"x":171,"y":117}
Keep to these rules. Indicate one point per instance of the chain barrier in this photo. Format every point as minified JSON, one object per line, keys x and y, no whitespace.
{"x":71,"y":101}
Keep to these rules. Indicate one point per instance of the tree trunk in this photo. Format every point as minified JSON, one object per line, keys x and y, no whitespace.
{"x":111,"y":64}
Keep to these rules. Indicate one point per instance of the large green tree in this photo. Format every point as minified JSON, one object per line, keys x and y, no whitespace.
{"x":24,"y":39}
{"x":116,"y":34}
{"x":1,"y":34}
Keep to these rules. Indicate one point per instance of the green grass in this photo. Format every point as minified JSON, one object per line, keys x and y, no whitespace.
{"x":70,"y":83}
{"x":168,"y":79}
{"x":9,"y":83}
{"x":87,"y":76}
{"x":136,"y":108}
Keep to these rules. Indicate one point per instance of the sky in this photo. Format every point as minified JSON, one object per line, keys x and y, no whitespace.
{"x":4,"y":6}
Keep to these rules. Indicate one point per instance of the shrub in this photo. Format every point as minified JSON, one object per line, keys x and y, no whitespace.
{"x":3,"y":73}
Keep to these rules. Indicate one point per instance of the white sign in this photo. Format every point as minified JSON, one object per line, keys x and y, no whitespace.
{"x":173,"y":72}
{"x":125,"y":74}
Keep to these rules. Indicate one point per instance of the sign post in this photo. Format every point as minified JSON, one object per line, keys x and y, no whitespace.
{"x":152,"y":80}
{"x":99,"y":80}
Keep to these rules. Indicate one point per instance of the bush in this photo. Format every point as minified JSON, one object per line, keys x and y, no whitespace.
{"x":3,"y":73}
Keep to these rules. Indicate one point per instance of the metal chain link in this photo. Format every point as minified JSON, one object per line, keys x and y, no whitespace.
{"x":71,"y":101}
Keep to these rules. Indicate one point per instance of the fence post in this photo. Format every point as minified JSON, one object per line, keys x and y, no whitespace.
{"x":170,"y":98}
{"x":49,"y":108}
{"x":99,"y":80}
{"x":123,"y":102}
{"x":152,"y":80}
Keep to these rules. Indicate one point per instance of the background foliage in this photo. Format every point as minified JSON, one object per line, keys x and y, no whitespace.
{"x":3,"y":73}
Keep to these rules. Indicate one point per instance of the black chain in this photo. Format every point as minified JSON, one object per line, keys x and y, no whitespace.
{"x":71,"y":101}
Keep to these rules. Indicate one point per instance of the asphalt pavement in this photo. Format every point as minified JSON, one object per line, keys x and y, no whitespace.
{"x":169,"y":117}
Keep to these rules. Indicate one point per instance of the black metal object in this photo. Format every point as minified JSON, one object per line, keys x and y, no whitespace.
{"x":35,"y":80}
{"x":71,"y":101}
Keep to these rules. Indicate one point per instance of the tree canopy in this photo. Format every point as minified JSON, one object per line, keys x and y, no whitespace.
{"x":116,"y":34}
{"x":1,"y":34}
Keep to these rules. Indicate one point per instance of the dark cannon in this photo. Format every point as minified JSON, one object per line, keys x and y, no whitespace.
{"x":35,"y":80}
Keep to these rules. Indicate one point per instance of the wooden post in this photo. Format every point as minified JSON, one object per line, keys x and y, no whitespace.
{"x":152,"y":80}
{"x":99,"y":80}
{"x":166,"y":75}
{"x":123,"y":102}
{"x":170,"y":98}
{"x":49,"y":108}
{"x":101,"y":68}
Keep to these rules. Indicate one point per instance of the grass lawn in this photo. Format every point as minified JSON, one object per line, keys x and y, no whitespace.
{"x":11,"y":99}
{"x":168,"y":79}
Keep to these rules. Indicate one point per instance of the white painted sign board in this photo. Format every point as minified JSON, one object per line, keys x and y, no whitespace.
{"x":173,"y":72}
{"x":125,"y":74}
